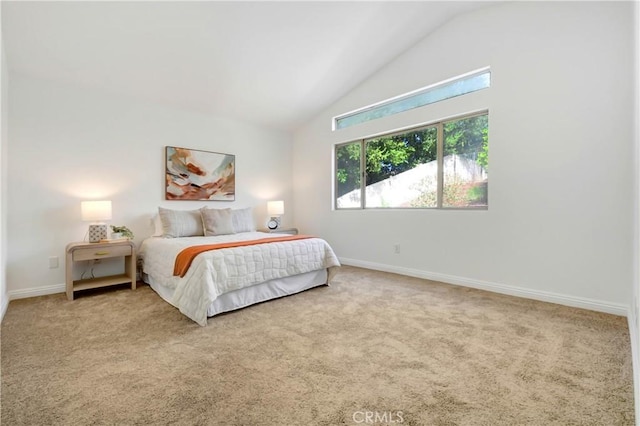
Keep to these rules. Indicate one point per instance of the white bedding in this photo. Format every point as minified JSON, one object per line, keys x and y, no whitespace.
{"x":217,"y":272}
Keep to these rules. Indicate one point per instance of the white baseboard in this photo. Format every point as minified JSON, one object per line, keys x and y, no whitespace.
{"x":37,"y":291}
{"x":544,"y":296}
{"x":3,"y":308}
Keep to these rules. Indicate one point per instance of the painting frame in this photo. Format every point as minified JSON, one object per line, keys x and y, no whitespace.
{"x":198,"y":175}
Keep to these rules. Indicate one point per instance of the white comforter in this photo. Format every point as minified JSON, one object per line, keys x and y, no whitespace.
{"x":216,"y":272}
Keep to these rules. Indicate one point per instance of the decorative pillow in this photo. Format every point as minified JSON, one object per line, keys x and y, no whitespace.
{"x":216,"y":221}
{"x":243,"y":220}
{"x":157,"y":226}
{"x":180,"y":223}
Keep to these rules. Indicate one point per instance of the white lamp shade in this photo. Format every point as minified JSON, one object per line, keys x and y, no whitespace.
{"x":275,"y":208}
{"x":95,"y":211}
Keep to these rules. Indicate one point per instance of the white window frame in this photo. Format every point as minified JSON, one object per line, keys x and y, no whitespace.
{"x":439,"y":157}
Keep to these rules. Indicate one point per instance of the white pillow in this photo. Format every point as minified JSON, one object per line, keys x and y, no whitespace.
{"x":216,"y":221}
{"x":243,"y":220}
{"x":180,"y":223}
{"x":157,"y":226}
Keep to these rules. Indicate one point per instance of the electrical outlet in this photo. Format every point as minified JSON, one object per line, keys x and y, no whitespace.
{"x":396,"y":248}
{"x":53,"y":262}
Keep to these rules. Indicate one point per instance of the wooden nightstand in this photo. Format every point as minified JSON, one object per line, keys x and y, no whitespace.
{"x":77,"y":252}
{"x":292,"y":231}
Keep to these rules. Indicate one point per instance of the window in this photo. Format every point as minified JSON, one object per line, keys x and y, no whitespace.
{"x":467,"y":83}
{"x":442,"y":165}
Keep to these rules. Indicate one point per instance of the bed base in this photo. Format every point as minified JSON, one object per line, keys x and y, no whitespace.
{"x":247,"y":296}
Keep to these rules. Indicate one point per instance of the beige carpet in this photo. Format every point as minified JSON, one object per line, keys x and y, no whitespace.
{"x":372,"y":347}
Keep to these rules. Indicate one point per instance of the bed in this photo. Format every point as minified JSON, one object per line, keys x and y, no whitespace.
{"x":228,"y":278}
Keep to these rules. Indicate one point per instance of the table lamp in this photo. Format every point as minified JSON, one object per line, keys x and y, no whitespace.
{"x":96,"y":212}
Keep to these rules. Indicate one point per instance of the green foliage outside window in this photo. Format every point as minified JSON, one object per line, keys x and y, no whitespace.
{"x":388,"y":156}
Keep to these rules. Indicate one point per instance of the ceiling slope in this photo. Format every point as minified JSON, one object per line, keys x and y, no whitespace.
{"x":269,"y":63}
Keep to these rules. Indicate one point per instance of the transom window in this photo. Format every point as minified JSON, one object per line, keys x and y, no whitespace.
{"x":456,"y":86}
{"x":441,"y":165}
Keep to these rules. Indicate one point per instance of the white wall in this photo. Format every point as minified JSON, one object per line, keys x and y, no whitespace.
{"x":4,"y":84}
{"x":634,"y":317}
{"x":561,"y":189}
{"x":67,"y":144}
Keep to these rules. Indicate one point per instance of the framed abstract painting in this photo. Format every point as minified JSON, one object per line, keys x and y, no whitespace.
{"x":192,"y":174}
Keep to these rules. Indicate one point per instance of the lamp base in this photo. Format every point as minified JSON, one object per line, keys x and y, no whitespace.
{"x":97,"y":233}
{"x":273,"y":223}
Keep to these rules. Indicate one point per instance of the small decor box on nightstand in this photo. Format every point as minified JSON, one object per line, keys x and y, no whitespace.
{"x":77,"y":252}
{"x":291,"y":231}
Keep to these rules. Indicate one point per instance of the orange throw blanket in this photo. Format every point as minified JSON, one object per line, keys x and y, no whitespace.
{"x":186,"y":256}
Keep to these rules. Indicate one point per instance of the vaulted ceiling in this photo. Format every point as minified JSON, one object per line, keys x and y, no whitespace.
{"x":270,"y":63}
